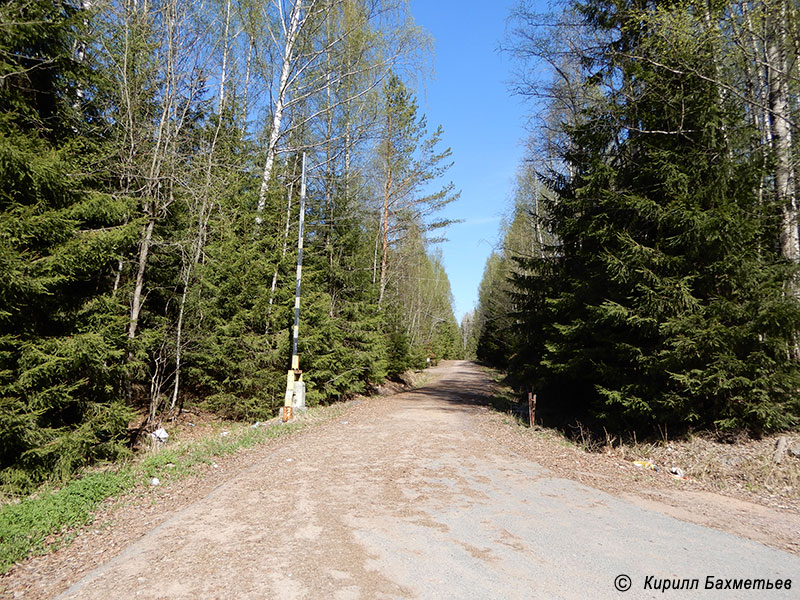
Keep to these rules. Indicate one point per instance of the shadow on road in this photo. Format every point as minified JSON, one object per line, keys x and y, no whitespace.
{"x":465,"y":385}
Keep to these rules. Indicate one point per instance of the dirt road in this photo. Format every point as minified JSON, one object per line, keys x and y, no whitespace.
{"x":406,"y":499}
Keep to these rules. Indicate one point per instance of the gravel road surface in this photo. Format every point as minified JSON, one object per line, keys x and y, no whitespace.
{"x":409,"y":501}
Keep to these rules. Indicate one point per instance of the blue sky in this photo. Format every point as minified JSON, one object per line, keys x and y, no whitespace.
{"x":483,"y":125}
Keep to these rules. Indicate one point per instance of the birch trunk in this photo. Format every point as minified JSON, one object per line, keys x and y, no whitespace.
{"x":780,"y":121}
{"x":247,"y":71}
{"x":224,"y":68}
{"x":136,"y":301}
{"x":295,"y":24}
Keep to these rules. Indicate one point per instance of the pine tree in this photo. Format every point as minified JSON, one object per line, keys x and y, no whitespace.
{"x":408,"y":161}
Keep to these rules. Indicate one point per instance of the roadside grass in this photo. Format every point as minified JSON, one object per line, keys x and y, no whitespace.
{"x":27,"y":526}
{"x":48,"y":519}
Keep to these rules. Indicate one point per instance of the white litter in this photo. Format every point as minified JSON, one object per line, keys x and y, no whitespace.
{"x":677,"y":473}
{"x":160,"y":434}
{"x":154,"y":481}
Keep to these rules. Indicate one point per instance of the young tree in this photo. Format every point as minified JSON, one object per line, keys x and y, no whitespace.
{"x":408,"y":161}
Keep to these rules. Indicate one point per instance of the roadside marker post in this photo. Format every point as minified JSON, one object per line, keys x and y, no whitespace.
{"x":295,"y":397}
{"x":531,"y":408}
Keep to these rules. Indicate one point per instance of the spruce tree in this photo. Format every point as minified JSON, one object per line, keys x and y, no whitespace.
{"x":60,"y":235}
{"x":663,"y":303}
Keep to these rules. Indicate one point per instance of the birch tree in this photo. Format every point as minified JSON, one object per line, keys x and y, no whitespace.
{"x":155,"y":58}
{"x":333,"y":58}
{"x":782,"y":122}
{"x":303,"y":35}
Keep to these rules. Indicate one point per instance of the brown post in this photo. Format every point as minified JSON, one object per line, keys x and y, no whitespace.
{"x":531,"y":408}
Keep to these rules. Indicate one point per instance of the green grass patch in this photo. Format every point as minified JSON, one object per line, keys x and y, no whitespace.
{"x":42,"y":522}
{"x":26,"y":526}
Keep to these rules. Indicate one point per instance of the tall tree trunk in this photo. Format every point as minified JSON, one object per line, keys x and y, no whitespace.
{"x":387,"y":193}
{"x":780,"y":121}
{"x":712,"y":31}
{"x":378,"y":238}
{"x":385,"y":236}
{"x":154,"y":187}
{"x":247,"y":71}
{"x":144,"y":253}
{"x":329,"y":190}
{"x":224,"y":69}
{"x":295,"y":24}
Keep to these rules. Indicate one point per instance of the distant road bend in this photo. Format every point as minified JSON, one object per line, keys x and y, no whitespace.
{"x":405,"y":499}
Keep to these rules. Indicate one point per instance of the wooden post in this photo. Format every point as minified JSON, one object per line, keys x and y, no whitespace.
{"x":531,"y":408}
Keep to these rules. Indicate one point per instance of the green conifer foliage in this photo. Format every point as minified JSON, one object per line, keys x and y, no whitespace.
{"x":493,"y":334}
{"x":343,"y":350}
{"x":60,"y":349}
{"x":497,"y":334}
{"x":147,"y":260}
{"x":664,"y":302}
{"x":236,"y":361}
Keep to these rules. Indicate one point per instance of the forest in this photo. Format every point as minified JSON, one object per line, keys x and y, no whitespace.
{"x":150,"y":158}
{"x":647,"y":280}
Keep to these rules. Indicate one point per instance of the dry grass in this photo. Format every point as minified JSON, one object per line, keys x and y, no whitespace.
{"x":739,"y":467}
{"x":745,"y":466}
